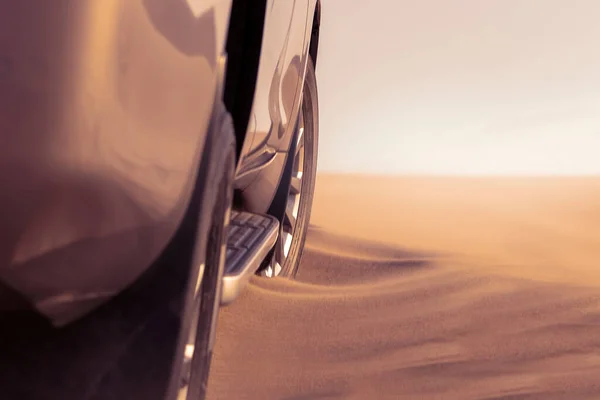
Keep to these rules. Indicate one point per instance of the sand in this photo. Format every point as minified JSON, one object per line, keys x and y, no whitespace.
{"x":427,"y":288}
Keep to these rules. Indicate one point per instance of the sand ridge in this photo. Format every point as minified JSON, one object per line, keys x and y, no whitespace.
{"x":411,"y":319}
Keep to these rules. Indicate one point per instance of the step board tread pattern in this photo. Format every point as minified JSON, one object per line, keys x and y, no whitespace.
{"x":246,"y":231}
{"x":251,"y":237}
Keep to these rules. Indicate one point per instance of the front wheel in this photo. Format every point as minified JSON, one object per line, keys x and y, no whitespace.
{"x":293,"y":201}
{"x":189,"y":375}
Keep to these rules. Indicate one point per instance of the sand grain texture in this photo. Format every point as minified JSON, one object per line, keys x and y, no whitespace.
{"x":437,"y":288}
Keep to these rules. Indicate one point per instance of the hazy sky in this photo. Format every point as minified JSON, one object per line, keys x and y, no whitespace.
{"x":460,"y":87}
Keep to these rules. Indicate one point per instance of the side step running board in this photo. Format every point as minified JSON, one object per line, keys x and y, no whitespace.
{"x":251,"y":237}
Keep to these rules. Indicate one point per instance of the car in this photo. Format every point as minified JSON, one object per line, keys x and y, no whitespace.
{"x":155,"y":155}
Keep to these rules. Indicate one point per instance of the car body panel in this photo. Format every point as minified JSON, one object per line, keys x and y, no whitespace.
{"x":104,"y":107}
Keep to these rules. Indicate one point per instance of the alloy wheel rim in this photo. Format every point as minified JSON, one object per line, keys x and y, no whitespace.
{"x":287,"y":228}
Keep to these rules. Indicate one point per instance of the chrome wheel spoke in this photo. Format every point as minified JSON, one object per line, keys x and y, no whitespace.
{"x":290,"y":216}
{"x":300,"y":140}
{"x":286,"y":244}
{"x":295,"y":185}
{"x":277,"y":269}
{"x":289,"y":219}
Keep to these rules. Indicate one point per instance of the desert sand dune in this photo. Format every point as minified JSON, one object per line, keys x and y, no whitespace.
{"x":423,"y":288}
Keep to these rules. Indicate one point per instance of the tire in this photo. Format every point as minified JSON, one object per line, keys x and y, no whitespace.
{"x":285,"y":258}
{"x":202,"y":300}
{"x":183,"y":292}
